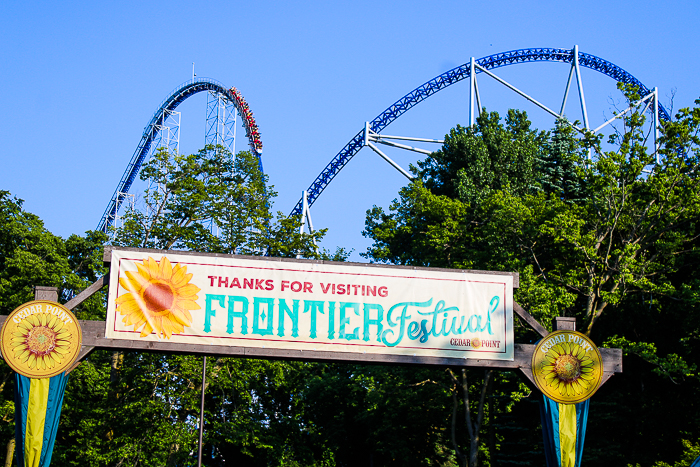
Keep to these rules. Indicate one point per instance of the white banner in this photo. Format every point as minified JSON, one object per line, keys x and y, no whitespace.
{"x":310,"y":306}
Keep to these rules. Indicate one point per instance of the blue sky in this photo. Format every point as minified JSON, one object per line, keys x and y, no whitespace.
{"x":82,"y":79}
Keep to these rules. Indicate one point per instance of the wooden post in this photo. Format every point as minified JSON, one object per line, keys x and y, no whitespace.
{"x":10,"y":452}
{"x":562,"y":323}
{"x":45,"y":293}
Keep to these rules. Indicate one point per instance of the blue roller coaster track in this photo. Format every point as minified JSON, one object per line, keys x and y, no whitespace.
{"x":453,"y":76}
{"x":150,"y":132}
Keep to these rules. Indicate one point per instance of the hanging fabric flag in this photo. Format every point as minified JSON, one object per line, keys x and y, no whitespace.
{"x":568,"y":368}
{"x":563,"y":430}
{"x":40,"y":340}
{"x":38,"y":404}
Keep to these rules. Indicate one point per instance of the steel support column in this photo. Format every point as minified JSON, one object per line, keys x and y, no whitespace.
{"x":472,"y":91}
{"x":221,"y":121}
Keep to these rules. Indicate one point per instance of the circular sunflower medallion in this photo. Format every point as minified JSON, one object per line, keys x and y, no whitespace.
{"x":40,"y":339}
{"x":567,"y":367}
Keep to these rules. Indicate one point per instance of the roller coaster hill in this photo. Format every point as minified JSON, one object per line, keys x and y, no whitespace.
{"x":225,"y":102}
{"x":223,"y":106}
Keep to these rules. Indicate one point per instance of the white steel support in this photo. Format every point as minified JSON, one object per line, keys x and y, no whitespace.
{"x":518,"y":91}
{"x":306,"y":214}
{"x":128,"y":199}
{"x":377,"y":136}
{"x":656,"y":124}
{"x":649,"y":98}
{"x":372,"y":137}
{"x":478,"y":96}
{"x":646,"y":107}
{"x":220,"y":121}
{"x":404,"y":146}
{"x":306,"y":217}
{"x":168,"y":132}
{"x":566,"y":91}
{"x":472,"y":91}
{"x":580,"y":89}
{"x":216,"y":113}
{"x":388,"y":159}
{"x":167,"y":136}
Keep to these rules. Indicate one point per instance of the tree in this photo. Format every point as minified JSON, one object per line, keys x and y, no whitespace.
{"x":206,"y":202}
{"x":124,"y":408}
{"x":440,"y":221}
{"x":477,"y":161}
{"x":590,"y":239}
{"x":30,"y":255}
{"x":212,"y":202}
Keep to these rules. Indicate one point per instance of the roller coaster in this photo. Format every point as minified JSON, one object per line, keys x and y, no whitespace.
{"x":371,"y":130}
{"x":229,"y":97}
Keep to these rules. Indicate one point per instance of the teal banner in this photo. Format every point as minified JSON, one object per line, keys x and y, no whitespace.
{"x":564,"y":431}
{"x":38,"y":404}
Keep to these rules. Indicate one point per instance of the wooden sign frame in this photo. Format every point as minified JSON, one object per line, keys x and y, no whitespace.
{"x":93,"y":333}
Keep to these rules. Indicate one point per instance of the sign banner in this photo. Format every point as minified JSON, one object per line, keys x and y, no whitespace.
{"x":310,"y":306}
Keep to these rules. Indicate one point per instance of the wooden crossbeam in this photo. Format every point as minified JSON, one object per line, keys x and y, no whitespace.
{"x":94,"y":338}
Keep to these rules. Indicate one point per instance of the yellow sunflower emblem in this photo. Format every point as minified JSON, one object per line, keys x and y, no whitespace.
{"x":567,"y":367}
{"x":41,"y":341}
{"x":159,"y":298}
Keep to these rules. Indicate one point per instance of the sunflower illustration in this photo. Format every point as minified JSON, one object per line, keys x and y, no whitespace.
{"x":567,"y":366}
{"x":159,"y":298}
{"x":41,"y":341}
{"x":568,"y":369}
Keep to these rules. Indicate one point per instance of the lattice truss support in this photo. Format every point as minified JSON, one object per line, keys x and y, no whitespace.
{"x":220,"y":130}
{"x":221,"y":121}
{"x":168,"y":133}
{"x":167,"y":137}
{"x":468,"y":71}
{"x":127,"y":199}
{"x":371,"y":138}
{"x":164,"y":127}
{"x":651,"y":99}
{"x":306,"y":216}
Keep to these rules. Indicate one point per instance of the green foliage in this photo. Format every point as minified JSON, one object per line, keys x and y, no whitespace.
{"x":369,"y":414}
{"x":212,"y":202}
{"x":558,"y":169}
{"x":612,"y":241}
{"x":124,"y":408}
{"x":477,"y":161}
{"x":604,"y":241}
{"x":672,"y":365}
{"x":690,"y":454}
{"x":31,"y":255}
